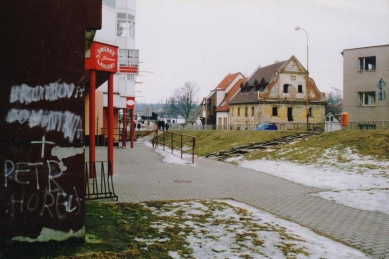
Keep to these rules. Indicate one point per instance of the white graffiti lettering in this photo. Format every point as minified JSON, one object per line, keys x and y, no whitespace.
{"x":43,"y":142}
{"x":79,"y":90}
{"x":56,"y":204}
{"x":54,"y":201}
{"x":66,"y":122}
{"x":51,"y":92}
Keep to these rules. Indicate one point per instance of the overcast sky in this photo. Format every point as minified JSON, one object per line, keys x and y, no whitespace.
{"x":204,"y":40}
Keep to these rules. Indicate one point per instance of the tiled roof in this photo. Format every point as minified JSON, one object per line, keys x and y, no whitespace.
{"x":225,"y":104}
{"x":226,"y":81}
{"x":267,"y":72}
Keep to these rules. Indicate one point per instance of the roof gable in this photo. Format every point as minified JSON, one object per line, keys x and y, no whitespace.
{"x":225,"y":104}
{"x":227,"y":81}
{"x":292,"y":65}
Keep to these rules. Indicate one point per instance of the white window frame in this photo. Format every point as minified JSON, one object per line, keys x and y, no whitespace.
{"x":367,"y":98}
{"x":125,"y":25}
{"x":366,"y":63}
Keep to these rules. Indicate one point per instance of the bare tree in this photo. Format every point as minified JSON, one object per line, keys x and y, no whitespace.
{"x":333,"y":102}
{"x":183,"y":99}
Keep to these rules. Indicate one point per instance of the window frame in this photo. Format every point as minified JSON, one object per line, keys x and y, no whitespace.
{"x":365,"y":102}
{"x":274,"y":112}
{"x":300,"y":89}
{"x":364,"y":63}
{"x":286,"y":88}
{"x":126,"y":24}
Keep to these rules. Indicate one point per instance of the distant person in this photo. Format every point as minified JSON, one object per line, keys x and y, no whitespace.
{"x":162,"y":125}
{"x":166,"y":126}
{"x":138,"y":126}
{"x":159,"y":124}
{"x":199,"y":123}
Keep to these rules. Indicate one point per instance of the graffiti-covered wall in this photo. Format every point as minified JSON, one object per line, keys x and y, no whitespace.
{"x":42,"y":89}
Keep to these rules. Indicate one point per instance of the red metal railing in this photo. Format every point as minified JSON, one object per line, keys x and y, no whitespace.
{"x":175,"y":141}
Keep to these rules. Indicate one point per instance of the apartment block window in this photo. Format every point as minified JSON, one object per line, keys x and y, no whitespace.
{"x":238,"y":111}
{"x":367,"y":63}
{"x":366,"y":127}
{"x":246,"y":111}
{"x":366,"y":98}
{"x":252,"y":111}
{"x":125,"y":25}
{"x":110,"y":3}
{"x":300,"y":88}
{"x":275,"y":111}
{"x":286,"y":86}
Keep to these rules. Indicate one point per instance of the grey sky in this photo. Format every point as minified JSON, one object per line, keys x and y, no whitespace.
{"x":204,"y":40}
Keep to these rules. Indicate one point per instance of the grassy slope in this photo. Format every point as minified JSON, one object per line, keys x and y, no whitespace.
{"x":208,"y":141}
{"x":364,"y":143}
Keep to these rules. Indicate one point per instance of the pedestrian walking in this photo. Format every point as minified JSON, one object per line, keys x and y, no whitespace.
{"x":166,"y":126}
{"x":138,"y":126}
{"x":162,"y":125}
{"x":198,"y":123}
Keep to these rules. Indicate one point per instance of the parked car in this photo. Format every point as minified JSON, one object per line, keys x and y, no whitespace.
{"x":265,"y":126}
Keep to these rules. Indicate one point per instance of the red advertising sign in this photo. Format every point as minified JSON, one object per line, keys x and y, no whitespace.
{"x":102,"y":57}
{"x":130,"y":102}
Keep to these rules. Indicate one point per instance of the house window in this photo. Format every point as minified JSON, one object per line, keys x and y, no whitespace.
{"x":275,"y":111}
{"x":246,"y":111}
{"x":232,"y":112}
{"x":366,"y":98}
{"x":125,"y":25}
{"x":300,"y":88}
{"x":293,"y":78}
{"x":366,"y":64}
{"x":286,"y":88}
{"x":366,"y":127}
{"x":238,"y":111}
{"x":309,"y":111}
{"x":252,"y":111}
{"x":290,"y":114}
{"x":330,"y":118}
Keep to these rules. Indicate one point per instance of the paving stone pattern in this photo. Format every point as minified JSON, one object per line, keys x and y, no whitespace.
{"x":141,"y":175}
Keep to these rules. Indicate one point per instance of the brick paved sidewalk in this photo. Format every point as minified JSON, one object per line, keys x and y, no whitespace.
{"x":140,"y":175}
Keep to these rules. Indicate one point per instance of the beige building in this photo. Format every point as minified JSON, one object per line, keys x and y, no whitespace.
{"x":278,"y":94}
{"x":363,"y":68}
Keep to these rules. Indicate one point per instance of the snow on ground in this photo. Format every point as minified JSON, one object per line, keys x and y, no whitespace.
{"x":230,"y":229}
{"x":360,"y":182}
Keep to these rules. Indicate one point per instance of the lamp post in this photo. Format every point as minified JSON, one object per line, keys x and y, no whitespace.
{"x":306,"y":83}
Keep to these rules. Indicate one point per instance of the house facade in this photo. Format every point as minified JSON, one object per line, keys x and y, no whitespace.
{"x":279,"y":94}
{"x":217,"y":105}
{"x":363,"y":68}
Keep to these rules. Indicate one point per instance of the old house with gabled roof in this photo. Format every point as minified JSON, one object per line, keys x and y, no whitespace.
{"x":278,"y":94}
{"x":217,"y":108}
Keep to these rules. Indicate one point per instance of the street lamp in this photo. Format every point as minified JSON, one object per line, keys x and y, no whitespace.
{"x":306,"y":83}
